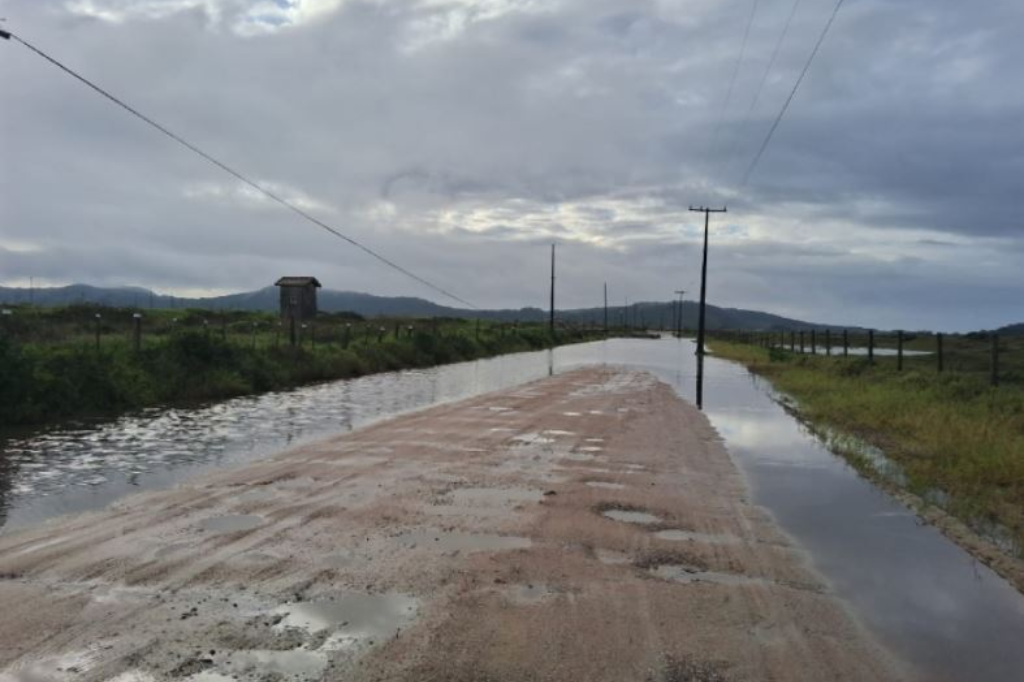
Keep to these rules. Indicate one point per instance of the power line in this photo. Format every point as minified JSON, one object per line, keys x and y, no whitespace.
{"x":732,"y":82}
{"x":764,"y":80}
{"x":230,"y":171}
{"x":792,"y":94}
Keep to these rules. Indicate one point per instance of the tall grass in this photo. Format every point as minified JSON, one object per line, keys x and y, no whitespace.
{"x":948,"y":432}
{"x":44,"y":381}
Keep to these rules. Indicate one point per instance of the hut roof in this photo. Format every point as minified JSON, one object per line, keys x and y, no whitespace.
{"x":297,"y":282}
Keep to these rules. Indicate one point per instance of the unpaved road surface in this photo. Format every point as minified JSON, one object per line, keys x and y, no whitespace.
{"x":587,"y":527}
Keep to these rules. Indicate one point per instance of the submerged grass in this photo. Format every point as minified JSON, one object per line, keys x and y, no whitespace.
{"x":949,"y":433}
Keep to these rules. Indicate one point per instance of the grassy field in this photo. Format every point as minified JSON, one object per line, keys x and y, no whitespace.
{"x":67,"y":362}
{"x":958,"y":440}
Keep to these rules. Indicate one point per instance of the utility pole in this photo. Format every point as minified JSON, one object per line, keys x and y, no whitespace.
{"x":551,"y":321}
{"x":703,"y":302}
{"x":679,"y":319}
{"x":606,"y":309}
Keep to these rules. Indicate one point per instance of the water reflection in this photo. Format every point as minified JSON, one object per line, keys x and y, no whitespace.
{"x":941,"y":611}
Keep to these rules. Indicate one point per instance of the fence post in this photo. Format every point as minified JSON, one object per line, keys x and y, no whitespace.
{"x":828,"y":342}
{"x":801,"y":341}
{"x":938,"y":351}
{"x":98,"y":318}
{"x":995,"y":359}
{"x":137,"y":332}
{"x":792,"y":341}
{"x":814,"y":343}
{"x":846,"y":343}
{"x":871,"y":346}
{"x":899,"y":351}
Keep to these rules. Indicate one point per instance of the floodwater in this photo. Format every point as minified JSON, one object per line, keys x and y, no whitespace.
{"x":940,"y":611}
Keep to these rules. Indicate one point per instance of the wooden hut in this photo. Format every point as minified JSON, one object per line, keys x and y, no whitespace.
{"x":298,"y":297}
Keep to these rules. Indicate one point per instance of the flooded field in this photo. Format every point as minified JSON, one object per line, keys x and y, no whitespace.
{"x":937,"y":608}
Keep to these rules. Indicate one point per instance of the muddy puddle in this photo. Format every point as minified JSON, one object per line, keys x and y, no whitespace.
{"x":642,"y":518}
{"x":689,"y":536}
{"x":605,"y":485}
{"x":352,"y":617}
{"x":231,"y":523}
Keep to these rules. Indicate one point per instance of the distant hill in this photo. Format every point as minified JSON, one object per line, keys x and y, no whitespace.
{"x":653,"y":314}
{"x":1012,"y":329}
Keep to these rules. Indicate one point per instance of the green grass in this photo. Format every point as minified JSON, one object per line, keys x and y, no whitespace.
{"x":951,"y":432}
{"x":51,"y":367}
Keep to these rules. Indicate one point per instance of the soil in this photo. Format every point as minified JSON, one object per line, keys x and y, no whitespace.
{"x":521,"y":535}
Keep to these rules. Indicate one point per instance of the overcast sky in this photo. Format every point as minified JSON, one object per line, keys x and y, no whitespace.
{"x":461,"y":137}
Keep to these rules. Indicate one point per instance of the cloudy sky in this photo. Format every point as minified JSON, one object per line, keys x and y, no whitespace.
{"x":461,"y":137}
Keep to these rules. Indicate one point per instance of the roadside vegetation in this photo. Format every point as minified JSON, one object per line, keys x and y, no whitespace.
{"x":82,"y":361}
{"x":958,"y":440}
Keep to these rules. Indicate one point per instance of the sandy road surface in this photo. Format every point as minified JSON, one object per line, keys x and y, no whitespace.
{"x":584,"y":527}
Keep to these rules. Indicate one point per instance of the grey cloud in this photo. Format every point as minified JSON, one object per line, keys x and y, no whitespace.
{"x":589,"y":121}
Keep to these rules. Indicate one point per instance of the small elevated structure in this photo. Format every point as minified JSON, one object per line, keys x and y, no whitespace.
{"x":298,"y":297}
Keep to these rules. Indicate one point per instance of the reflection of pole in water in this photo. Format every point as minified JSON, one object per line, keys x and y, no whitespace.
{"x":551,"y":362}
{"x":346,"y":405}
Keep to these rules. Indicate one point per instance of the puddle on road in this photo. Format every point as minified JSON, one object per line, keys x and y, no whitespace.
{"x":354,"y":615}
{"x":685,"y":535}
{"x":605,"y":485}
{"x":231,"y":523}
{"x":632,"y":516}
{"x":558,"y":432}
{"x":590,"y":448}
{"x":532,"y":439}
{"x":451,"y":541}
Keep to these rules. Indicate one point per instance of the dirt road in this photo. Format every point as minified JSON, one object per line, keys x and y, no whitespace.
{"x":588,"y":527}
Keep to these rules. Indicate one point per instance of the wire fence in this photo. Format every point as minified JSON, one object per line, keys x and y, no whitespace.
{"x":999,"y":358}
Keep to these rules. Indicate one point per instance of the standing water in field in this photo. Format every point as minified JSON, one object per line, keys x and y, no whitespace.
{"x":939,"y":610}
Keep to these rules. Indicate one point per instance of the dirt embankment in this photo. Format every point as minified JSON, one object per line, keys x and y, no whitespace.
{"x":584,"y":527}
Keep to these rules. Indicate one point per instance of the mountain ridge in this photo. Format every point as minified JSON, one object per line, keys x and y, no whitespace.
{"x":654,"y":313}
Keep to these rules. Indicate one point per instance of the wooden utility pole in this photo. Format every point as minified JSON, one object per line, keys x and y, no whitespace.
{"x":606,"y":309}
{"x":703,"y":302}
{"x":551,"y":320}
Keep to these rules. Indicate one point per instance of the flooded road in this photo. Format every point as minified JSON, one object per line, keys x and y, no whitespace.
{"x":946,"y":615}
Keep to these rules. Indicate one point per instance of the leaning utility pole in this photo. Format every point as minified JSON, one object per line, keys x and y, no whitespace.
{"x":703,"y":302}
{"x":551,"y":321}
